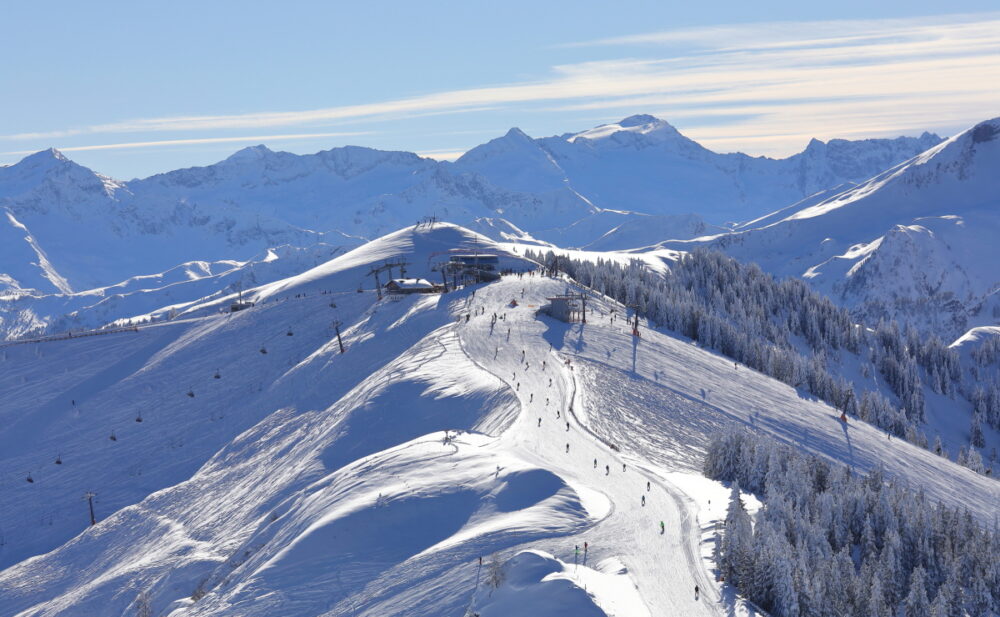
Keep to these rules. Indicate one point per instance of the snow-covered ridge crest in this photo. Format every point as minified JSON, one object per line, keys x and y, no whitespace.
{"x":649,"y":126}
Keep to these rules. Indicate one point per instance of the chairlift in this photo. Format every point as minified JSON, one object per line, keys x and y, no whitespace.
{"x":289,"y":333}
{"x":190,"y":393}
{"x":217,"y":374}
{"x":29,"y":478}
{"x":138,"y":417}
{"x":113,"y":437}
{"x":263,"y":349}
{"x":59,"y":459}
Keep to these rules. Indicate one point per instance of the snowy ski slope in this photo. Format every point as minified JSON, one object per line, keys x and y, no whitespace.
{"x":306,"y":482}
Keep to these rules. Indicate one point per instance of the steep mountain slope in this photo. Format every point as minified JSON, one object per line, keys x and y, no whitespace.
{"x":152,"y":297}
{"x":301,"y":481}
{"x":89,"y":231}
{"x":915,"y":243}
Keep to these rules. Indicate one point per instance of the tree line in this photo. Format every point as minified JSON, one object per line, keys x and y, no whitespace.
{"x":786,"y":330}
{"x":830,"y":543}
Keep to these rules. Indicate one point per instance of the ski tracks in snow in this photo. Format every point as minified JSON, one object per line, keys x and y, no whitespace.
{"x":664,"y":566}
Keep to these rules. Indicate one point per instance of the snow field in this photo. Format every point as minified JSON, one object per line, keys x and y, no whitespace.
{"x":305,"y":482}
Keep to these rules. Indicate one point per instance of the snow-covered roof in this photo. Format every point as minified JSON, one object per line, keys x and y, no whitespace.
{"x":412,"y":283}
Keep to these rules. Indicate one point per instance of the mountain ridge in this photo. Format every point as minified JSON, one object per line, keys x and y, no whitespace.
{"x":546,"y":190}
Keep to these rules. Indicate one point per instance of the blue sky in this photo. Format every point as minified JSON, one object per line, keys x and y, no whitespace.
{"x":134,"y":88}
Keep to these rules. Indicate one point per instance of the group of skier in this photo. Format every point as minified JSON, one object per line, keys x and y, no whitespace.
{"x":607,"y":468}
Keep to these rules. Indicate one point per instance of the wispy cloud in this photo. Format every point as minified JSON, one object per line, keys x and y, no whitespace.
{"x":787,"y":79}
{"x":785,"y":34}
{"x":199,"y":141}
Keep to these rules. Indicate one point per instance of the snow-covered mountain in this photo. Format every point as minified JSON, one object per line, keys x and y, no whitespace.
{"x":448,"y":462}
{"x":643,"y":164}
{"x":258,"y":198}
{"x":69,"y":235}
{"x":86,"y":231}
{"x":916,"y":243}
{"x":151,"y":297}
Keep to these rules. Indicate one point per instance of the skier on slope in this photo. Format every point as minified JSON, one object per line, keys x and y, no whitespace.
{"x":696,"y":592}
{"x":643,"y":501}
{"x":662,"y":528}
{"x":539,"y":421}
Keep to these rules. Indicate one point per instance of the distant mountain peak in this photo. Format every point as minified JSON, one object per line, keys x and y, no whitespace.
{"x":53,"y":153}
{"x":514,"y":143}
{"x":251,"y":153}
{"x":44,"y":157}
{"x":640,"y":120}
{"x":641,"y":126}
{"x":34,"y":168}
{"x":516,"y":133}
